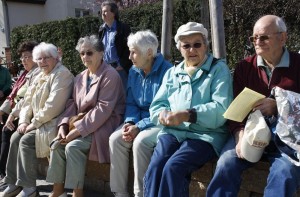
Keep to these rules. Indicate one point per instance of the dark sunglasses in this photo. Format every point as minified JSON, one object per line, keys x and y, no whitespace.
{"x":261,"y":38}
{"x":196,"y":45}
{"x":88,"y":53}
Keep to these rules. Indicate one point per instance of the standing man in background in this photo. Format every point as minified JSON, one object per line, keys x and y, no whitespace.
{"x":113,"y":34}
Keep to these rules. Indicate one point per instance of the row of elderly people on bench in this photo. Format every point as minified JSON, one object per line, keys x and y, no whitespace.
{"x":173,"y":115}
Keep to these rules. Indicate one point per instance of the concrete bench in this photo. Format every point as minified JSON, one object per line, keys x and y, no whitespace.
{"x":254,"y":179}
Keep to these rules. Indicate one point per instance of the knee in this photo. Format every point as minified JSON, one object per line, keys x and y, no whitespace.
{"x":24,"y":142}
{"x":114,"y":138}
{"x":283,"y":170}
{"x":138,"y":144}
{"x":70,"y":148}
{"x":6,"y":134}
{"x":227,"y":161}
{"x":171,"y":167}
{"x":143,"y":143}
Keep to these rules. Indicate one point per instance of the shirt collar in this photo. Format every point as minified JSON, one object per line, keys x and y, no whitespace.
{"x":113,"y":27}
{"x":284,"y":61}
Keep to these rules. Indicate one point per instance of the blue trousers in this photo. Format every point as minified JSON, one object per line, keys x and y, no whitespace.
{"x":283,"y":179}
{"x":171,"y":165}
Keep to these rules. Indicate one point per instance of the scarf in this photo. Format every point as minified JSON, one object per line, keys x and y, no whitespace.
{"x":19,"y":83}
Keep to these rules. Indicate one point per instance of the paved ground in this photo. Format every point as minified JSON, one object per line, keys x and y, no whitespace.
{"x":45,"y":189}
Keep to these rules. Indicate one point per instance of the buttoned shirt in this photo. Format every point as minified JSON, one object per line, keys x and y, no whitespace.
{"x":110,"y":51}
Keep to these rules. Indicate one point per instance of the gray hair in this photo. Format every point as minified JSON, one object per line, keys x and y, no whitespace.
{"x":143,"y":40}
{"x":280,"y":24}
{"x":45,"y":48}
{"x":93,"y":40}
{"x":206,"y":42}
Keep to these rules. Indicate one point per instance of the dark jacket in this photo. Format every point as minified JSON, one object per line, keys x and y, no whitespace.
{"x":123,"y":32}
{"x":248,"y":74}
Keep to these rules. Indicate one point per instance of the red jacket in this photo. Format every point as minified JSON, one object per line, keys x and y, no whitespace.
{"x":248,"y":74}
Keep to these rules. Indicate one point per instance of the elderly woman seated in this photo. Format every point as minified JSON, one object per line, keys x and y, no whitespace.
{"x":9,"y":110}
{"x":99,"y":98}
{"x":44,"y":102}
{"x":138,"y":132}
{"x":189,"y":105}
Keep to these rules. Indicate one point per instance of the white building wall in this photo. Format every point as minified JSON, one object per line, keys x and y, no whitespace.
{"x":56,"y":10}
{"x":3,"y":30}
{"x":21,"y":14}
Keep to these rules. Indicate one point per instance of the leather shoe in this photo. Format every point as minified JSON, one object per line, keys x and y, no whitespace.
{"x":7,"y":193}
{"x":33,"y":194}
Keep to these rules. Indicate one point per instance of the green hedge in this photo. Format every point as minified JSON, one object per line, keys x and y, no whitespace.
{"x":239,"y":17}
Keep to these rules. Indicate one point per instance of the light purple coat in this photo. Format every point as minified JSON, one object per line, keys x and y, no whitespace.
{"x":104,"y":105}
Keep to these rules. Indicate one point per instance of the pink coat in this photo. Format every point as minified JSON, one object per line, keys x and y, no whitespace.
{"x":104,"y":105}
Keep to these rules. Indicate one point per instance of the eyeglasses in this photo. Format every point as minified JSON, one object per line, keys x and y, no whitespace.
{"x":46,"y":58}
{"x":25,"y":58}
{"x":88,"y":53}
{"x":261,"y":38}
{"x":196,"y":45}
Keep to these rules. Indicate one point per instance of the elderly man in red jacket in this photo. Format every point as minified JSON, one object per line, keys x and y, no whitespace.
{"x":272,"y":65}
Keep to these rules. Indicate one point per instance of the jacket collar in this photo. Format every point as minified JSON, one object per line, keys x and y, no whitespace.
{"x":158,"y":60}
{"x":97,"y":75}
{"x":206,"y":67}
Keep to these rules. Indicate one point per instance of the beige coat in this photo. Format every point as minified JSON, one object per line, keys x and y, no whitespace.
{"x":44,"y":102}
{"x":104,"y":106}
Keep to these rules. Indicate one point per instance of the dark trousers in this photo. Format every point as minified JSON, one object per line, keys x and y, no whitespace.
{"x":4,"y":148}
{"x":171,"y":165}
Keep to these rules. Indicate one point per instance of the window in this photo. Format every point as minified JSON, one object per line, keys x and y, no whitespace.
{"x":81,"y":12}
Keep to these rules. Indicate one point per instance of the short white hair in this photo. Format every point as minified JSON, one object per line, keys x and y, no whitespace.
{"x":143,"y":40}
{"x":45,"y":48}
{"x":280,"y":24}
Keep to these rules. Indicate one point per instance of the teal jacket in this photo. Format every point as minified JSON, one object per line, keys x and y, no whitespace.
{"x":5,"y":80}
{"x":209,"y":91}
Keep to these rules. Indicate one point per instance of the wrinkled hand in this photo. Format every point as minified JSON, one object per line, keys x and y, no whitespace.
{"x":168,"y":118}
{"x":9,"y":123}
{"x":238,"y":140}
{"x":30,"y":128}
{"x":267,"y":106}
{"x":73,"y":134}
{"x":62,"y":131}
{"x":22,"y":128}
{"x":129,"y":132}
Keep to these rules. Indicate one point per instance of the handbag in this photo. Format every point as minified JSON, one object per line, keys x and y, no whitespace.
{"x":287,"y":131}
{"x":57,"y":141}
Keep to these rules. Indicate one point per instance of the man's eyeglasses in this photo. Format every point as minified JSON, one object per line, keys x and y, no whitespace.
{"x":46,"y":58}
{"x":261,"y":38}
{"x":196,"y":45}
{"x":25,"y":58}
{"x":88,"y":53}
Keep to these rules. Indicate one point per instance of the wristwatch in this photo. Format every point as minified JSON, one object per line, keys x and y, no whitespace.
{"x":193,"y":115}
